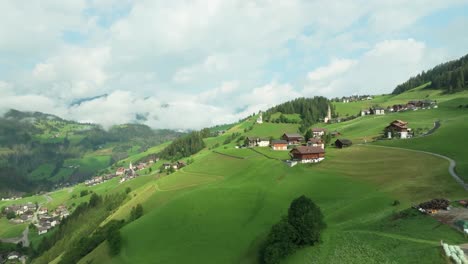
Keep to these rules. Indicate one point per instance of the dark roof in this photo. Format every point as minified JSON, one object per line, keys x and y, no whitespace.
{"x":318,"y":129}
{"x":279,"y":141}
{"x":293,"y":135}
{"x":344,"y":141}
{"x":252,"y":138}
{"x":315,"y":140}
{"x":308,"y":150}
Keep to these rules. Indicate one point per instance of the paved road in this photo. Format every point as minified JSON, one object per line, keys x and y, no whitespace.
{"x":451,"y":168}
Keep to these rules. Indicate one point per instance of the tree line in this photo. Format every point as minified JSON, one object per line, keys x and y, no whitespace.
{"x":311,"y":110}
{"x":184,"y":146}
{"x":451,"y":77}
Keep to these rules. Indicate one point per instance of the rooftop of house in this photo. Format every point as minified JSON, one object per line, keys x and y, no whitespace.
{"x":308,"y":150}
{"x":318,"y":129}
{"x":293,"y":135}
{"x":344,"y":141}
{"x":278,"y":141}
{"x":316,"y":140}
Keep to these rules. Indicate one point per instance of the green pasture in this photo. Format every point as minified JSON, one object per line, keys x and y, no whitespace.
{"x":219,"y":209}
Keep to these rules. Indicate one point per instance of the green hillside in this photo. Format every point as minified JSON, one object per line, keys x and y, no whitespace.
{"x":39,"y":151}
{"x":220,"y":208}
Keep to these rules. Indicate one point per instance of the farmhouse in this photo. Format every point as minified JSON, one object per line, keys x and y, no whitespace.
{"x":365,"y":112}
{"x":292,"y":138}
{"x":377,"y":111}
{"x":343,"y":143}
{"x":279,"y":144}
{"x":306,"y":154}
{"x":316,"y":142}
{"x":256,"y":141}
{"x":318,"y":132}
{"x":398,"y":128}
{"x":120,"y":171}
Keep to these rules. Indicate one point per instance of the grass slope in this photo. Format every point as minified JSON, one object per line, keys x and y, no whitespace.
{"x":224,"y":215}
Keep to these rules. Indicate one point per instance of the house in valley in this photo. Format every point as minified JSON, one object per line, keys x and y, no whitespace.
{"x":279,"y":144}
{"x":318,"y":132}
{"x":293,"y":138}
{"x":306,"y":154}
{"x":343,"y":143}
{"x":398,"y":128}
{"x":316,"y":142}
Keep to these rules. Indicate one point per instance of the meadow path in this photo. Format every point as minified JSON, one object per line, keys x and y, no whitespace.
{"x":451,"y":168}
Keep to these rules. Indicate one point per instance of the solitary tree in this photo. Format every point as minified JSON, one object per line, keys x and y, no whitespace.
{"x":305,"y":216}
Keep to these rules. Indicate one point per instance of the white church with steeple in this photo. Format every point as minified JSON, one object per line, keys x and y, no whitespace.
{"x":327,"y":119}
{"x":260,"y":118}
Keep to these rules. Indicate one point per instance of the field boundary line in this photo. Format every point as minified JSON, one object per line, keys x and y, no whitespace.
{"x":263,"y":154}
{"x":395,"y":236}
{"x":451,"y":168}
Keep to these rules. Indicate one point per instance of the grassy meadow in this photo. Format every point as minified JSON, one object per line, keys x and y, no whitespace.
{"x":219,"y":213}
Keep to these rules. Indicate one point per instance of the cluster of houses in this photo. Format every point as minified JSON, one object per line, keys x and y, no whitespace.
{"x":373,"y":111}
{"x":354,"y":98}
{"x":48,"y":220}
{"x":312,"y":151}
{"x":23,"y":212}
{"x":411,"y":105}
{"x":99,"y":179}
{"x":13,"y":198}
{"x":45,"y":219}
{"x":176,"y":165}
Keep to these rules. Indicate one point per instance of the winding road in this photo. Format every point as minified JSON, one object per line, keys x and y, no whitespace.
{"x":451,"y":168}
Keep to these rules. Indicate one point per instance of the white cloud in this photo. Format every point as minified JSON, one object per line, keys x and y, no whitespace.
{"x":212,"y":61}
{"x":336,"y":67}
{"x":379,"y":70}
{"x":75,"y":72}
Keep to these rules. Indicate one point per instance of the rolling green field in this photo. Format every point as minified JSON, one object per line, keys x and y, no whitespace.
{"x":219,"y":213}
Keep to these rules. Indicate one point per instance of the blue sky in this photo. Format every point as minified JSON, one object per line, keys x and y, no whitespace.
{"x":213,"y":61}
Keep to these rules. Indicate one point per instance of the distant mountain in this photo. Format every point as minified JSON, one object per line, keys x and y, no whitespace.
{"x":87,"y":99}
{"x":451,"y":77}
{"x":38,"y":150}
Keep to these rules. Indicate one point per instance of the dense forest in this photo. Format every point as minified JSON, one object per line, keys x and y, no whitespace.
{"x":185,"y":146}
{"x":451,"y":77}
{"x":30,"y":140}
{"x":311,"y":110}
